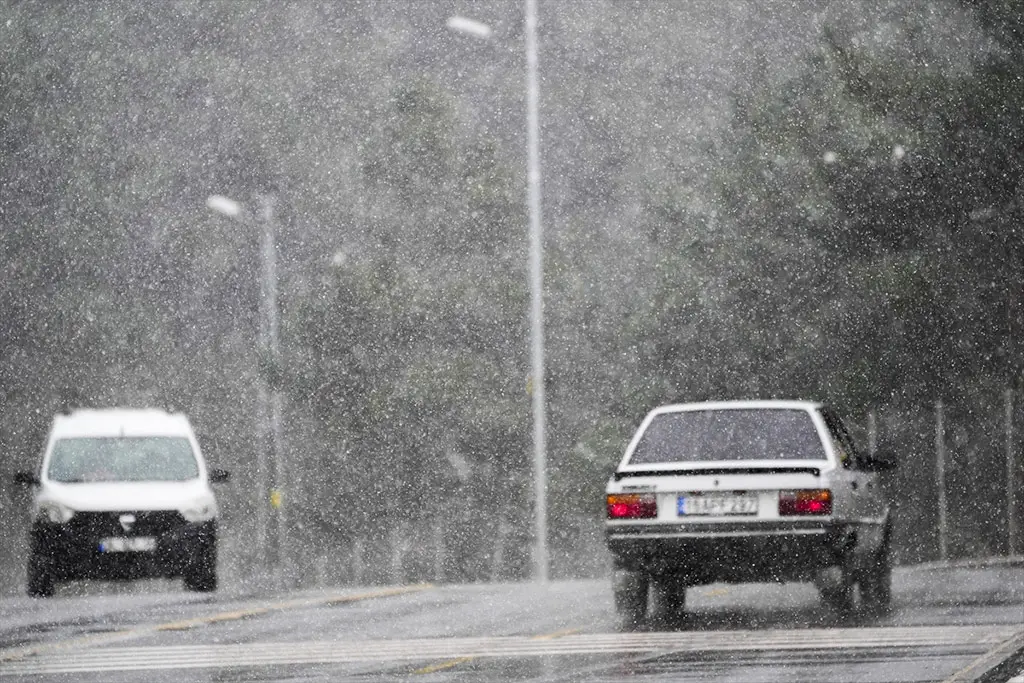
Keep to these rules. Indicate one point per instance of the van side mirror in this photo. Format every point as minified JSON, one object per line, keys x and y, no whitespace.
{"x":219,"y":476}
{"x":26,"y":479}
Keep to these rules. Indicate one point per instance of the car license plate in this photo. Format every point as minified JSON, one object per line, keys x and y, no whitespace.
{"x":137,"y":544}
{"x":717,"y":504}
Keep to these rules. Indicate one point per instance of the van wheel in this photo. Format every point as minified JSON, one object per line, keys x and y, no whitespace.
{"x":201,"y":573}
{"x":40,"y":577}
{"x":630,"y":589}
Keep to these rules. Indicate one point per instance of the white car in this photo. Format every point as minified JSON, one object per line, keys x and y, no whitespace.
{"x":122,"y":494}
{"x":751,"y":491}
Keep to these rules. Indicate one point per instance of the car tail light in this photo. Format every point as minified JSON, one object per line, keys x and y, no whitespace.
{"x":805,"y":502}
{"x":632,"y":506}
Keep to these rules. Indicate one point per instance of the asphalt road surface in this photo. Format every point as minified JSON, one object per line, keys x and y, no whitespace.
{"x":948,"y":624}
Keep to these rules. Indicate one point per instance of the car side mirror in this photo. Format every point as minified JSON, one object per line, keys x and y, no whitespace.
{"x":879,"y":462}
{"x":26,"y":479}
{"x":219,"y":476}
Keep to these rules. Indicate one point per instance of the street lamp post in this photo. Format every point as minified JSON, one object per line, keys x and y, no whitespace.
{"x":269,"y":408}
{"x":536,"y":295}
{"x":480,"y":30}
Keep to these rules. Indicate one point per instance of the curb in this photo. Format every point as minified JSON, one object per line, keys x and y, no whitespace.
{"x":995,"y":666}
{"x":969,"y":563}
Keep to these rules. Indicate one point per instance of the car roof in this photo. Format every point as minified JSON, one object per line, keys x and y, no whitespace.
{"x":121,"y":422}
{"x":739,"y":405}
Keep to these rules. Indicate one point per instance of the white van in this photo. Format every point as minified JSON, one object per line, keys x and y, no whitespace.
{"x":122,"y":494}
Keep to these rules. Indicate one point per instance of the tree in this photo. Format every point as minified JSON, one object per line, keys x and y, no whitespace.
{"x":411,"y":350}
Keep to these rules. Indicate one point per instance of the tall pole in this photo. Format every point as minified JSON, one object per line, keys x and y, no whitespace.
{"x":267,"y":419}
{"x":872,"y":433}
{"x":271,"y":325}
{"x":536,"y":298}
{"x":1011,"y":479}
{"x":940,"y":479}
{"x":262,"y":475}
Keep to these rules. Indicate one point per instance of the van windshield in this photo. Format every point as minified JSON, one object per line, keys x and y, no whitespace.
{"x":733,"y":434}
{"x":146,"y":458}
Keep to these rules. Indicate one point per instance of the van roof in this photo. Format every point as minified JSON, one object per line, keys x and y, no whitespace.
{"x":121,"y":422}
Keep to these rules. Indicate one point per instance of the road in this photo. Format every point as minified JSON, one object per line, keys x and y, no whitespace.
{"x":947,"y":625}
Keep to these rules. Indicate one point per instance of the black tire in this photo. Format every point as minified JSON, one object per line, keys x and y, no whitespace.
{"x":670,"y":598}
{"x":876,"y":583}
{"x":40,"y":583}
{"x":630,"y":589}
{"x":839,"y":593}
{"x":201,"y":573}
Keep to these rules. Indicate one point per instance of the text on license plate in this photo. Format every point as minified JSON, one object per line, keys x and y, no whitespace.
{"x":717,"y":504}
{"x":137,"y":544}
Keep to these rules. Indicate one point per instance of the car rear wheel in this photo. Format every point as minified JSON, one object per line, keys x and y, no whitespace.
{"x":837,"y":589}
{"x":876,"y":584}
{"x":630,"y":589}
{"x":670,"y":597}
{"x":40,"y":577}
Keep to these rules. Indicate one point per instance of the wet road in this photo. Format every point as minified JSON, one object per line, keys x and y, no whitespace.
{"x":948,"y":625}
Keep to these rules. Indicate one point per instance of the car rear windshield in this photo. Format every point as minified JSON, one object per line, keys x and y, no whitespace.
{"x":735,"y":434}
{"x":144,"y":458}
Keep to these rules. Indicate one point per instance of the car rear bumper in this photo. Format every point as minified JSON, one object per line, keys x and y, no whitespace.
{"x":734,"y":552}
{"x":71,"y":554}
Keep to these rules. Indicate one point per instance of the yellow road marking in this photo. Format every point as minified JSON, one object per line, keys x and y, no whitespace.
{"x":441,"y":666}
{"x":382,"y":593}
{"x":451,"y":663}
{"x":212,"y":619}
{"x":289,"y":604}
{"x":292,"y":604}
{"x":557,"y":634}
{"x":185,"y":624}
{"x":242,"y":614}
{"x":718,"y":592}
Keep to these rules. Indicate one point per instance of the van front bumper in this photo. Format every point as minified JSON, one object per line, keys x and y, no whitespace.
{"x":80,"y":549}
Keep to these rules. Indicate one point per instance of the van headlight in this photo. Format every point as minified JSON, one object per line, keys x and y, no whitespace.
{"x":200,"y":511}
{"x":53,"y":512}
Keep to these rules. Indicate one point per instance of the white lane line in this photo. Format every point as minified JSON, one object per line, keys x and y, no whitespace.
{"x":453,"y":651}
{"x":793,"y":640}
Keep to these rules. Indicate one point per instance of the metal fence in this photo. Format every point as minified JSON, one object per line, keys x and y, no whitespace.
{"x":957,"y":490}
{"x":957,"y":494}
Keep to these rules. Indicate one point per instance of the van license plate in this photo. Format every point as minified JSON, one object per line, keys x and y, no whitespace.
{"x":717,"y":504}
{"x":138,"y":544}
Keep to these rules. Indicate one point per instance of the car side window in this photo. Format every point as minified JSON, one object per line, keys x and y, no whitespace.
{"x":841,"y":440}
